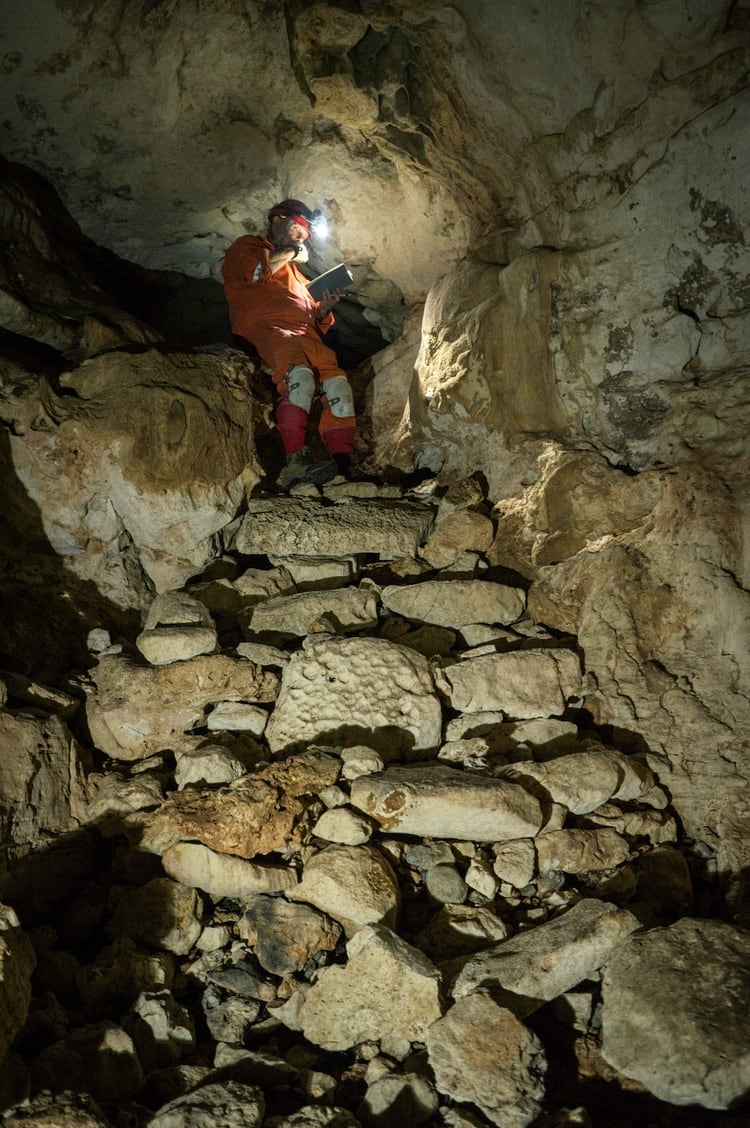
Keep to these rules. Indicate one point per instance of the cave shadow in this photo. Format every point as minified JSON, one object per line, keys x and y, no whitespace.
{"x":47,"y":611}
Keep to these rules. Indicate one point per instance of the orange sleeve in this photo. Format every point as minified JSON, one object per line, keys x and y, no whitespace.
{"x":242,"y":260}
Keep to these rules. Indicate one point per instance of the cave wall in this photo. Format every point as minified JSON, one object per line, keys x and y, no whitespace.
{"x":564,"y":193}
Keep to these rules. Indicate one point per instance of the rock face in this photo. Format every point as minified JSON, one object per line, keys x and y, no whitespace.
{"x":381,"y":770}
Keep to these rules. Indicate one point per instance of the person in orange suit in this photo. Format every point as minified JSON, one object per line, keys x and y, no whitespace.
{"x":270,"y":306}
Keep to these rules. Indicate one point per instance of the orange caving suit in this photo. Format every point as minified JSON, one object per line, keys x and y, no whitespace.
{"x":276,"y":313}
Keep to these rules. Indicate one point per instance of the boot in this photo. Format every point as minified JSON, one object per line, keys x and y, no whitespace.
{"x":300,"y":468}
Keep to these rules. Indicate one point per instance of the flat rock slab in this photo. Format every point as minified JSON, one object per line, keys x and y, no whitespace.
{"x":676,"y":1012}
{"x":522,"y":683}
{"x":308,"y":527}
{"x":481,"y":1053}
{"x":348,"y":609}
{"x":134,"y":711}
{"x":386,"y":988}
{"x":455,"y":603}
{"x":535,"y":967}
{"x":356,"y":691}
{"x":441,"y":802}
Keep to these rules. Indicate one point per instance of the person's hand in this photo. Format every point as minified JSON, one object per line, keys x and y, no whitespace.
{"x":329,"y":299}
{"x":302,"y":254}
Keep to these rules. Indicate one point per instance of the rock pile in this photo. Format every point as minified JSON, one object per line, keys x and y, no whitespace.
{"x":334,"y":845}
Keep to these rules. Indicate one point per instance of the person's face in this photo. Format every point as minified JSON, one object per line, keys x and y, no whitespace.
{"x":295,"y":234}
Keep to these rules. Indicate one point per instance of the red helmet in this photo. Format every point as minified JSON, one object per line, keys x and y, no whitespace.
{"x":294,"y":210}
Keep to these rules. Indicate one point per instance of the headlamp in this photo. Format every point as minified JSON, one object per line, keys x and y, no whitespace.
{"x":319,"y":224}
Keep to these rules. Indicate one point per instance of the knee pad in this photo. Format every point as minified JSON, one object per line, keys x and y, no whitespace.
{"x":299,"y":385}
{"x":339,"y":398}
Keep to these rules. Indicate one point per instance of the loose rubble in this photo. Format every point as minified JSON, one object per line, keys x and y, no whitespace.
{"x":353,"y":845}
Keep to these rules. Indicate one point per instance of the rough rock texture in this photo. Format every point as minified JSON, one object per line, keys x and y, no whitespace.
{"x":523,"y":684}
{"x":167,"y":699}
{"x":17,"y":962}
{"x":321,"y":697}
{"x":675,"y":1012}
{"x":482,"y":1054}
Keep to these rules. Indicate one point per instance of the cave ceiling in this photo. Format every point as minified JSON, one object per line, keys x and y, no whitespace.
{"x":421,"y":129}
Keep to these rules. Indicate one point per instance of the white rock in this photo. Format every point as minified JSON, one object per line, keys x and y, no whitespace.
{"x":177,"y":627}
{"x":230,"y":1104}
{"x":481,"y":1053}
{"x":479,"y":876}
{"x":257,"y":584}
{"x":237,"y":716}
{"x":583,"y":780}
{"x":441,"y":802}
{"x":454,"y":603}
{"x":351,"y":609}
{"x":318,"y":572}
{"x":209,"y":764}
{"x":161,"y":1029}
{"x":359,"y":761}
{"x":536,"y":966}
{"x":521,"y":683}
{"x":262,"y":654}
{"x":213,"y":937}
{"x":390,"y":529}
{"x":321,"y":694}
{"x":676,"y":1012}
{"x":515,"y":862}
{"x":581,"y":851}
{"x":353,"y":884}
{"x":341,"y":824}
{"x":221,"y":875}
{"x":386,"y":988}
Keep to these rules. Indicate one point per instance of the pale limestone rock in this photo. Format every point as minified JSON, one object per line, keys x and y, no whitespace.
{"x":318,"y":572}
{"x":237,"y":716}
{"x":359,"y":761}
{"x":264,"y":811}
{"x":221,"y":875}
{"x":213,"y":937}
{"x":480,"y":877}
{"x":515,"y":862}
{"x":17,"y":963}
{"x":262,"y":654}
{"x":209,"y":764}
{"x":581,"y":851}
{"x":322,"y":697}
{"x":177,"y":627}
{"x":29,"y":691}
{"x":133,"y":711}
{"x":351,"y":609}
{"x":460,"y":532}
{"x":99,"y":1059}
{"x":471,"y":752}
{"x":441,"y":802}
{"x":135,"y":511}
{"x":536,"y":966}
{"x":391,"y":529}
{"x":42,"y":778}
{"x":353,"y":884}
{"x":543,"y":735}
{"x":341,"y":824}
{"x":676,"y":1012}
{"x":461,"y":930}
{"x":114,"y":796}
{"x":463,"y":495}
{"x":231,"y":1104}
{"x":399,"y":1098}
{"x":57,"y":1110}
{"x":523,"y":683}
{"x":482,"y":1054}
{"x":454,"y":603}
{"x":657,"y":827}
{"x":160,"y":914}
{"x":161,"y":1029}
{"x":256,"y":584}
{"x":586,"y":779}
{"x":385,"y":988}
{"x":315,"y":1116}
{"x":284,"y":935}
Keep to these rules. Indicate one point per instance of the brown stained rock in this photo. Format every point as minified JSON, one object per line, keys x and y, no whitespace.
{"x":261,"y":812}
{"x":462,"y":531}
{"x":134,"y":711}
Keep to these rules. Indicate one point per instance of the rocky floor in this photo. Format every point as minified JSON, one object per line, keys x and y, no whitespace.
{"x":333,"y":842}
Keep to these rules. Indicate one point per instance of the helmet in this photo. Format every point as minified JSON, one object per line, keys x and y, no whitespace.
{"x":297,"y":211}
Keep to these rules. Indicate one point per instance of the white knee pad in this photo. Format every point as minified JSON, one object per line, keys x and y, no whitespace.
{"x":339,"y":397}
{"x":300,"y":387}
